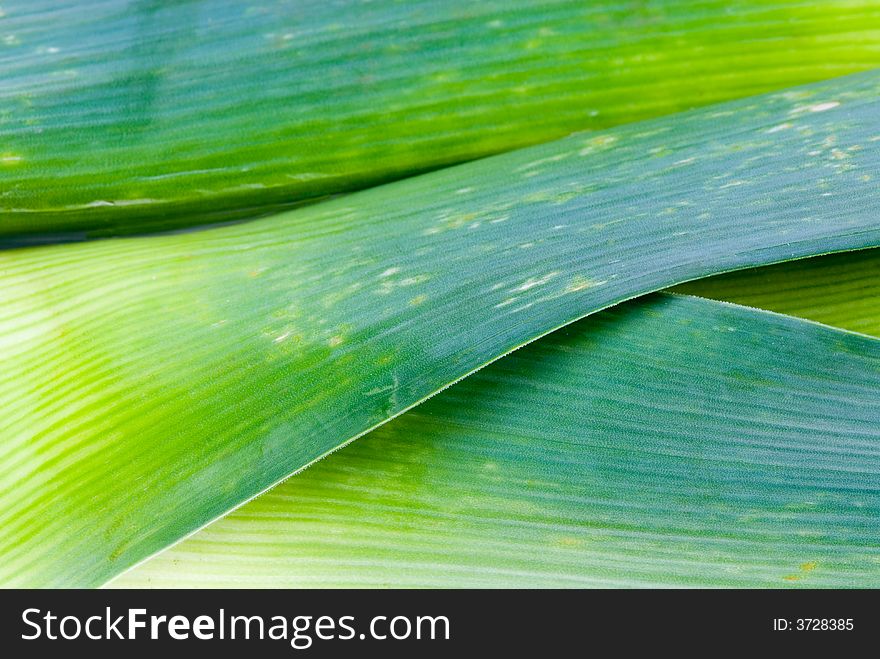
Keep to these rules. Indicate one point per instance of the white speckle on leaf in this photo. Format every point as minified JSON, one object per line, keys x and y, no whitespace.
{"x":598,"y":142}
{"x":778,"y":128}
{"x":306,"y":176}
{"x":532,"y":282}
{"x":118,"y":202}
{"x":822,"y":107}
{"x":816,"y":107}
{"x":542,"y":161}
{"x":579,"y":283}
{"x":133,"y":202}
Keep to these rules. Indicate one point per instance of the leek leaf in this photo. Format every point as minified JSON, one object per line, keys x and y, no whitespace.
{"x":151,"y":385}
{"x":144,"y":115}
{"x":839,"y":289}
{"x":668,"y":441}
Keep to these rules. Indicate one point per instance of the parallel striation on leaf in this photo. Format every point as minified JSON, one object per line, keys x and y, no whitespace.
{"x":150,"y":385}
{"x":598,"y":456}
{"x":147,"y":115}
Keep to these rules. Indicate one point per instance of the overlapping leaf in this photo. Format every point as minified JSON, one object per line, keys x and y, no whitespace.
{"x":346,"y":510}
{"x":840,"y":289}
{"x":668,"y":441}
{"x":150,"y":385}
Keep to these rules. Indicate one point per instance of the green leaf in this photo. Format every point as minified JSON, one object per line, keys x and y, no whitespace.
{"x":142,"y":115}
{"x":598,"y":456}
{"x":150,"y":385}
{"x":841,"y":289}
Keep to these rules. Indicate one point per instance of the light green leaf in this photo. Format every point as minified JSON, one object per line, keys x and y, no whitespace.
{"x":840,"y":289}
{"x":136,"y":115}
{"x":150,"y":385}
{"x":668,"y":441}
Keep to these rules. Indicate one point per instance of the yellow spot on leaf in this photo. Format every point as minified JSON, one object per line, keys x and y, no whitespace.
{"x":596,"y":143}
